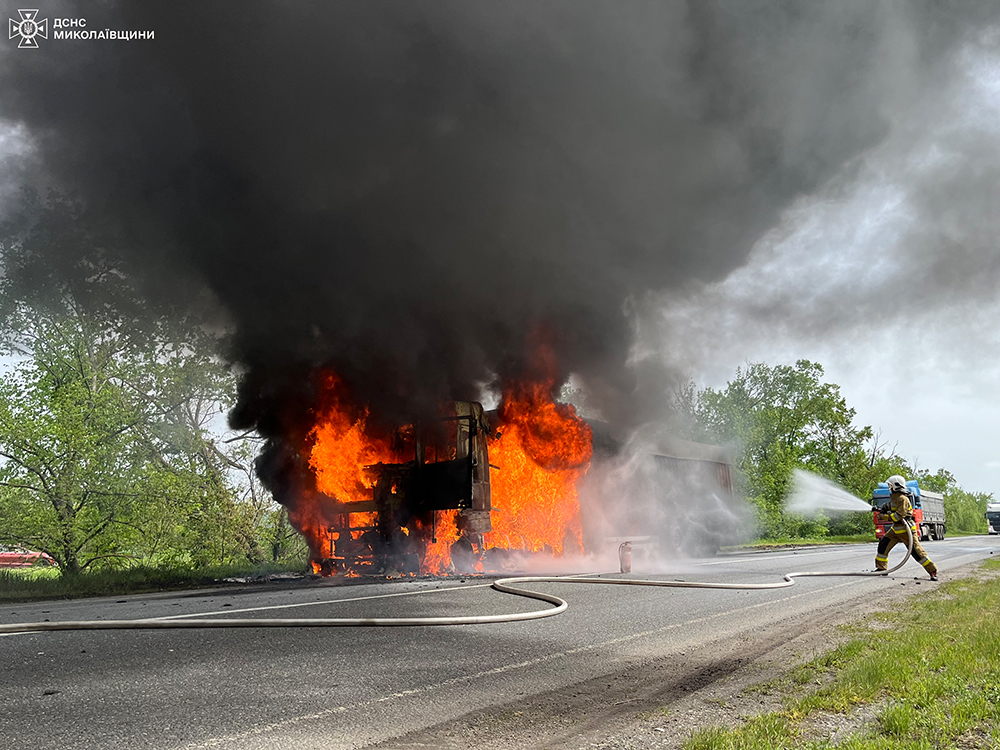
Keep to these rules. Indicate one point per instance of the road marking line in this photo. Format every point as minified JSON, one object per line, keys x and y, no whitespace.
{"x":325,"y":601}
{"x":298,"y":604}
{"x":264,"y":729}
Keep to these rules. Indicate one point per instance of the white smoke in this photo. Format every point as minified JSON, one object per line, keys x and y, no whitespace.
{"x":657,"y":492}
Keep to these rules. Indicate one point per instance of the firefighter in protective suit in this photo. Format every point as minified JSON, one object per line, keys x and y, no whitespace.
{"x":900,"y":510}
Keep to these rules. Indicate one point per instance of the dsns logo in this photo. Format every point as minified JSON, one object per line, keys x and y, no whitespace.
{"x":29,"y":28}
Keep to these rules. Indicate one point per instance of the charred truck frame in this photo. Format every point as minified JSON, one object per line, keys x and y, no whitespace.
{"x":449,"y":471}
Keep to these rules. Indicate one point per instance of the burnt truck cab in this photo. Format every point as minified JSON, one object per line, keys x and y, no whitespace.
{"x":928,"y":511}
{"x":448,"y":469}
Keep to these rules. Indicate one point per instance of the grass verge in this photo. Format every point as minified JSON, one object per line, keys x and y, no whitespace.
{"x":36,"y":583}
{"x":802,"y":541}
{"x":930,"y":670}
{"x":832,"y":539}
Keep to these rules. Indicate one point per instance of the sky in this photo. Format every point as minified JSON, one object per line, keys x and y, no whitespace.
{"x":917,"y":360}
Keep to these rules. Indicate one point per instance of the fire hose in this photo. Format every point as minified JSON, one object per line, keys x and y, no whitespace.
{"x":504,"y":585}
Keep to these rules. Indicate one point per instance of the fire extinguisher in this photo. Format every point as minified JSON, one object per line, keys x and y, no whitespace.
{"x":625,"y":556}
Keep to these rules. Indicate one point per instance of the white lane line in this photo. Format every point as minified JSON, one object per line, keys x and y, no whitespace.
{"x":240,"y":737}
{"x":299,"y":604}
{"x":228,"y":611}
{"x":325,"y":601}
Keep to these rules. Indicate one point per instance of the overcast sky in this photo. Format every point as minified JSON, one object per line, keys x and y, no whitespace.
{"x":887,"y":277}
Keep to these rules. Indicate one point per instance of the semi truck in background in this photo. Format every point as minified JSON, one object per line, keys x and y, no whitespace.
{"x":668,"y":497}
{"x":993,"y":518}
{"x":928,"y":511}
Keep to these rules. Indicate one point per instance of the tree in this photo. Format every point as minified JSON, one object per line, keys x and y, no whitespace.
{"x":784,"y":417}
{"x":104,"y":446}
{"x":107,"y":447}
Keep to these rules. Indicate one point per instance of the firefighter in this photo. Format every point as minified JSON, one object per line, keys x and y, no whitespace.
{"x":900,"y":511}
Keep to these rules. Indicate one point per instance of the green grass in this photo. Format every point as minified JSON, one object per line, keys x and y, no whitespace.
{"x":27,"y":584}
{"x":930,"y":668}
{"x":771,"y":731}
{"x":798,"y":540}
{"x":831,"y":539}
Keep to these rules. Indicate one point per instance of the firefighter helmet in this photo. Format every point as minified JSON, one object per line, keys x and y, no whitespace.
{"x":896,"y":483}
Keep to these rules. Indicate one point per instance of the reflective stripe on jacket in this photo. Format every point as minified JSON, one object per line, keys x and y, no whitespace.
{"x":901,"y":514}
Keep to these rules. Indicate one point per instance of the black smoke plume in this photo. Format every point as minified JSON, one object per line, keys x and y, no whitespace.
{"x":407,"y":192}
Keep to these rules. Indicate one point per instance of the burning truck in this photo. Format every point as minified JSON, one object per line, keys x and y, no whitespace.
{"x":431,"y":485}
{"x":467,"y":489}
{"x":456,"y":491}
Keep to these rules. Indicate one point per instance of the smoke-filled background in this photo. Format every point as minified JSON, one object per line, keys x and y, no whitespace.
{"x":415,"y":193}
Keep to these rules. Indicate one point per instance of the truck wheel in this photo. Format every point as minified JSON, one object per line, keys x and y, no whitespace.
{"x":940,"y":531}
{"x":925,"y":533}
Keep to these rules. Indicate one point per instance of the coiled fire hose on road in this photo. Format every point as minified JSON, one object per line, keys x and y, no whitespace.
{"x":504,"y":585}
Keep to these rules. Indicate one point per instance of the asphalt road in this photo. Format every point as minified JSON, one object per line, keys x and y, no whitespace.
{"x":350,"y":688}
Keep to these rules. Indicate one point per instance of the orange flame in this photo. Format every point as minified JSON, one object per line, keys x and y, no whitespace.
{"x":545,"y":448}
{"x":342,"y":450}
{"x":437,"y":554}
{"x":339,"y":450}
{"x":543,"y":451}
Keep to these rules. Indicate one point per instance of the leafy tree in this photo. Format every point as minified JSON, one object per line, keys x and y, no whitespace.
{"x":286,"y":543}
{"x":108,"y":418}
{"x":942,"y":481}
{"x":785,"y":417}
{"x":104,"y":444}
